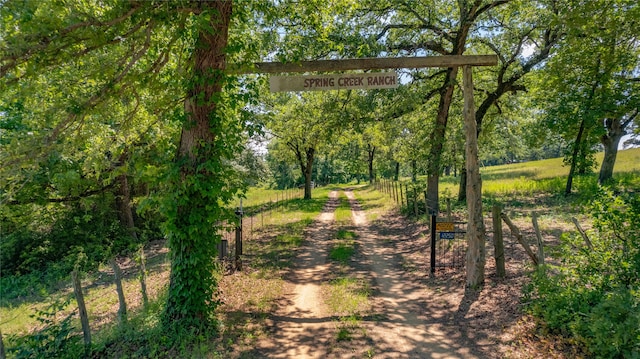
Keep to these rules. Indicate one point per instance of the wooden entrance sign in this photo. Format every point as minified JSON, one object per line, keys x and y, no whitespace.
{"x":475,"y":226}
{"x":368,"y":81}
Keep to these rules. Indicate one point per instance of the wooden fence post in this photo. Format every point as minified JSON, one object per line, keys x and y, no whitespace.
{"x":238,"y":261}
{"x":534,"y":220}
{"x":498,"y":242}
{"x":415,"y":202}
{"x":401,"y":197}
{"x":82,"y":309}
{"x":122,"y":303}
{"x":406,"y":192}
{"x":143,"y":277}
{"x":3,"y":354}
{"x":519,"y":238}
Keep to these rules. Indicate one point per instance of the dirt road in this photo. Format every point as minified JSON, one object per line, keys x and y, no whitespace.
{"x":402,"y":324}
{"x":300,"y":328}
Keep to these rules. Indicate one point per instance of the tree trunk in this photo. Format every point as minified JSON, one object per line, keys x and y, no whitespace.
{"x":574,"y":159}
{"x":437,"y":138}
{"x":308,"y":171}
{"x":123,"y":200}
{"x":414,"y":171}
{"x":462,"y":190}
{"x":371,"y":151}
{"x":475,"y":228}
{"x":610,"y":141}
{"x":191,"y":302}
{"x":396,"y":173}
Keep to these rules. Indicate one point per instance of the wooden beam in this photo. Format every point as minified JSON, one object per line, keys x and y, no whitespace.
{"x":365,"y":64}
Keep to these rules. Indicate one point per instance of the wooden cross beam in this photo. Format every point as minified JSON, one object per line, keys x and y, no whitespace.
{"x":366,"y":64}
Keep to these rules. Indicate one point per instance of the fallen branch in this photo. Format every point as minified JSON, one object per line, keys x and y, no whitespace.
{"x":518,"y":235}
{"x":582,"y":233}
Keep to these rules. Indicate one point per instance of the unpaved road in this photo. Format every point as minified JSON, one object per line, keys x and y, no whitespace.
{"x":398,"y":326}
{"x":300,"y":328}
{"x":404,"y":331}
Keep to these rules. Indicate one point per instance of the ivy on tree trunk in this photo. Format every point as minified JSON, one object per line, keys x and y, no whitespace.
{"x":193,"y":240}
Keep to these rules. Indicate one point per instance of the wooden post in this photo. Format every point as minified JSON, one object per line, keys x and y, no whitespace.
{"x":82,"y":309}
{"x":406,"y":192}
{"x":475,"y":227}
{"x":519,"y":238}
{"x":449,"y":209}
{"x":534,"y":220}
{"x":395,"y":189}
{"x":143,"y":277}
{"x":239,"y":240}
{"x":434,"y":218}
{"x":415,"y":202}
{"x":3,"y":354}
{"x":117,"y":278}
{"x":498,"y":242}
{"x":401,"y":199}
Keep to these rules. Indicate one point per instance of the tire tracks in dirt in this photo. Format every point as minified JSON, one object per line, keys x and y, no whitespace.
{"x":398,"y":325}
{"x":399,"y":328}
{"x":300,"y":327}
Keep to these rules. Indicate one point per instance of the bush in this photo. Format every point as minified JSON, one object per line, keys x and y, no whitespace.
{"x":594,"y":296}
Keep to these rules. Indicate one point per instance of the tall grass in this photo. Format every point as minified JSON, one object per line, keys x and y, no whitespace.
{"x":548,"y":177}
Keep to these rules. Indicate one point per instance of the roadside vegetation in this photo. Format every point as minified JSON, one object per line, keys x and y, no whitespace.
{"x":589,"y":292}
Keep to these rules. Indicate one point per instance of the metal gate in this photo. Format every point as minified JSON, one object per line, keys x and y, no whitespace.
{"x":448,"y":244}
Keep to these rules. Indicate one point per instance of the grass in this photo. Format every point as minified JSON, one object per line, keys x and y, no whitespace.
{"x":374,"y":203}
{"x":343,"y":212}
{"x":260,"y":197}
{"x":348,"y":297}
{"x":537,"y":185}
{"x":247,"y":296}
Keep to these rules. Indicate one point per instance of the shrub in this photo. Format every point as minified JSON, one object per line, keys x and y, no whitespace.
{"x":594,"y":295}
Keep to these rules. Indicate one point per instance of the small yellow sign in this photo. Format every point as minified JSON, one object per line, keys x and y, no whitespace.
{"x":445,"y":226}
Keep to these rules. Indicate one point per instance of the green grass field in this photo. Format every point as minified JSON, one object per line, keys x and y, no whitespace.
{"x":545,"y":177}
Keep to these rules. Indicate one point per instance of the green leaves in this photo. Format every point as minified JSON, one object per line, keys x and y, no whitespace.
{"x":594,"y":295}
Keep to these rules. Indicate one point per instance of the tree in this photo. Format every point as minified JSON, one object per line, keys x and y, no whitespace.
{"x":71,"y":64}
{"x":303,"y":123}
{"x":591,"y":84}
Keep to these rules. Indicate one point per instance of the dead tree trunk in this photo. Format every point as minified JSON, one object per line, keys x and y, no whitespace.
{"x":371,"y":151}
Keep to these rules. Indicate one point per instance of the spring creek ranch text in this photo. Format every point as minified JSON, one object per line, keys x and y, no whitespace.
{"x":376,"y":80}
